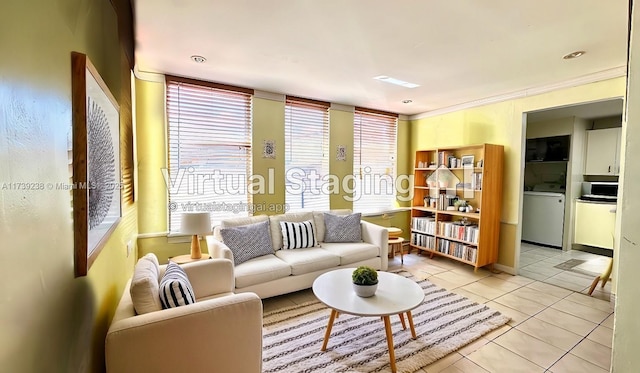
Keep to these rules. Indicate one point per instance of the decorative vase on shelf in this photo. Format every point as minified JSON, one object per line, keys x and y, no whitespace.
{"x":365,"y":281}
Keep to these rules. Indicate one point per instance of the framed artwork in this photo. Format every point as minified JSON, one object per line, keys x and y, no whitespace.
{"x":467,"y":160}
{"x":96,"y":162}
{"x":269,"y":149}
{"x":341,"y":153}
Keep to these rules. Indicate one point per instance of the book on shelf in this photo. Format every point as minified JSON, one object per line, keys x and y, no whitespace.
{"x":424,"y":224}
{"x":459,"y":250}
{"x":423,"y":240}
{"x":459,"y":231}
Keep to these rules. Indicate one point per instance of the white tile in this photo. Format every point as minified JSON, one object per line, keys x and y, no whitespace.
{"x":484,"y":290}
{"x":536,"y":296}
{"x":529,"y":347}
{"x":533,"y":275}
{"x":582,"y":311}
{"x":572,"y":364}
{"x":591,"y":302}
{"x":566,"y":321}
{"x":523,"y":305}
{"x":501,"y":284}
{"x":549,"y":333}
{"x":602,"y":335}
{"x":520,"y":280}
{"x":464,"y":366}
{"x":594,"y":353}
{"x":516,"y":316}
{"x":496,"y":358}
{"x":556,"y":291}
{"x":608,"y":322}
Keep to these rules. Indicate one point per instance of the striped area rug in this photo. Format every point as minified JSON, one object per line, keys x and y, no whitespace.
{"x":444,"y":322}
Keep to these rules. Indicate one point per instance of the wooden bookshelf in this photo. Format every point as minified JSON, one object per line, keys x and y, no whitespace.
{"x":444,"y":175}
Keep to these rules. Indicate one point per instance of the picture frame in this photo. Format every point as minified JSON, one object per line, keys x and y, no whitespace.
{"x":269,"y":149}
{"x":467,"y":160}
{"x":96,"y":182}
{"x":341,"y":153}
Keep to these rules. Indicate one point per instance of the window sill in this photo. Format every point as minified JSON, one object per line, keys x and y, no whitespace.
{"x":382,"y":212}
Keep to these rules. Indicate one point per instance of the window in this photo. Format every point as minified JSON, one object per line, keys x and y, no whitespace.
{"x":209,"y":149}
{"x":306,"y":153}
{"x":374,"y":159}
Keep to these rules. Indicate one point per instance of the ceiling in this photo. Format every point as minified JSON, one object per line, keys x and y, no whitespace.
{"x":457,"y":51}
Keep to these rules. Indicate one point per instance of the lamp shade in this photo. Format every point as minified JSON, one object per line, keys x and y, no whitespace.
{"x":195,"y":223}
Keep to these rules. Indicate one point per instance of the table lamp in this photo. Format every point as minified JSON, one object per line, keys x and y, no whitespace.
{"x":195,"y":223}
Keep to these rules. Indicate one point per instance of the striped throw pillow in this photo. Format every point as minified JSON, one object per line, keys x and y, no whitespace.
{"x":175,"y":288}
{"x":298,"y":235}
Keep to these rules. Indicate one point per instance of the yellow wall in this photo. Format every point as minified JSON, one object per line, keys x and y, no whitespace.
{"x":341,"y":133}
{"x":51,"y":321}
{"x":501,"y":123}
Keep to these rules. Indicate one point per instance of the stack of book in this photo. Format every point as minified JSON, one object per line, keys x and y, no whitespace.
{"x":459,"y":231}
{"x":462,"y":251}
{"x":423,"y":240}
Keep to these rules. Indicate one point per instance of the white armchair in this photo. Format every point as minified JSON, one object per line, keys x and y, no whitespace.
{"x":221,"y":332}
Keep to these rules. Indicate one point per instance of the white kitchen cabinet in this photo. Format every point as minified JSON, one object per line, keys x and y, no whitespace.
{"x":603,"y":152}
{"x":595,"y":223}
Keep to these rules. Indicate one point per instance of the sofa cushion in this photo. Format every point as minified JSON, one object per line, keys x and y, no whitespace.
{"x":298,"y":235}
{"x":248,"y":241}
{"x":175,"y":288}
{"x":318,"y":219}
{"x":276,"y":233}
{"x":308,"y":260}
{"x":260,"y":270}
{"x":352,"y":252}
{"x":342,"y":228}
{"x":144,"y":285}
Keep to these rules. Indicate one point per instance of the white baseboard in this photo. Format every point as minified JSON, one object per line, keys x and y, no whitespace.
{"x":506,"y":269}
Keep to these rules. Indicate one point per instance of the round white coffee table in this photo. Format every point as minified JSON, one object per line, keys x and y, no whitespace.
{"x":396,"y":295}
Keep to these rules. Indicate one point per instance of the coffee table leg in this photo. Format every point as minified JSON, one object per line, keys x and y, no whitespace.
{"x":413,"y":330}
{"x":401,"y":316}
{"x":328,"y":332}
{"x":392,"y":354}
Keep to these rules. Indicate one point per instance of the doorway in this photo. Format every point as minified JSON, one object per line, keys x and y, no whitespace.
{"x":553,"y":187}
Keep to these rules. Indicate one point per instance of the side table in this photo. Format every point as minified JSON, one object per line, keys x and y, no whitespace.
{"x":186,"y":258}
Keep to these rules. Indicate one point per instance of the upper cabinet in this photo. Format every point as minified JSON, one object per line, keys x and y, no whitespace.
{"x":603,"y":152}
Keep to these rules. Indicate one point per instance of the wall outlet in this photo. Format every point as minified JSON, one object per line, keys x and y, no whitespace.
{"x":129,"y":247}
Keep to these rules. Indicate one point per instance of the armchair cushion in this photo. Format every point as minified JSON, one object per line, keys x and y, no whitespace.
{"x":175,"y":289}
{"x":342,"y":228}
{"x":248,"y":241}
{"x":144,"y":285}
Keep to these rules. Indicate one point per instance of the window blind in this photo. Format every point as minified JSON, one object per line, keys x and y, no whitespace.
{"x":374,"y":159}
{"x":209,"y":135}
{"x":306,"y":153}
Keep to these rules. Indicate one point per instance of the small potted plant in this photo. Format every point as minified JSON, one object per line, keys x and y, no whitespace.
{"x":365,"y":281}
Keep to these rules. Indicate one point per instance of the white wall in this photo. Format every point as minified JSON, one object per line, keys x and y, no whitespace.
{"x":626,"y":333}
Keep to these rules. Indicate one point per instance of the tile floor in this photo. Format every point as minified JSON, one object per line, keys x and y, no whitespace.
{"x":538,"y":263}
{"x":552,"y":329}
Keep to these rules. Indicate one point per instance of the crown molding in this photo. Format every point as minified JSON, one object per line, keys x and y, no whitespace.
{"x":147,"y":75}
{"x":585,"y":79}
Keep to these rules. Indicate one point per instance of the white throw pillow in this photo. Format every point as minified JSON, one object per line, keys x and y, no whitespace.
{"x":298,"y":235}
{"x":144,"y":285}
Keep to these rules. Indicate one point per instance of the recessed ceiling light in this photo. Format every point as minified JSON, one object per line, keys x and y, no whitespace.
{"x":402,"y":83}
{"x":407,"y":101}
{"x":198,"y":59}
{"x":573,"y":55}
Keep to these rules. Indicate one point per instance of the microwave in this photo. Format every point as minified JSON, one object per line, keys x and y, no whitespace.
{"x":599,"y":191}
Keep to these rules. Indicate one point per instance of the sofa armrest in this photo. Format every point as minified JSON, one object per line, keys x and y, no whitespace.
{"x":379,"y":236}
{"x":210,"y":277}
{"x":217,"y":249}
{"x":217,"y":335}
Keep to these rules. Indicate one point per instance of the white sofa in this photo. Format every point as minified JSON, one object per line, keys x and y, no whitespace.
{"x":286,"y":271}
{"x":221,"y":332}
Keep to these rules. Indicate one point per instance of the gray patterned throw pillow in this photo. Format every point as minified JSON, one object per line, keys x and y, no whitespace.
{"x":342,"y":228}
{"x":248,"y":241}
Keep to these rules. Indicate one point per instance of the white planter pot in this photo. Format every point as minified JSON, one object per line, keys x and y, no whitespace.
{"x":365,"y":291}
